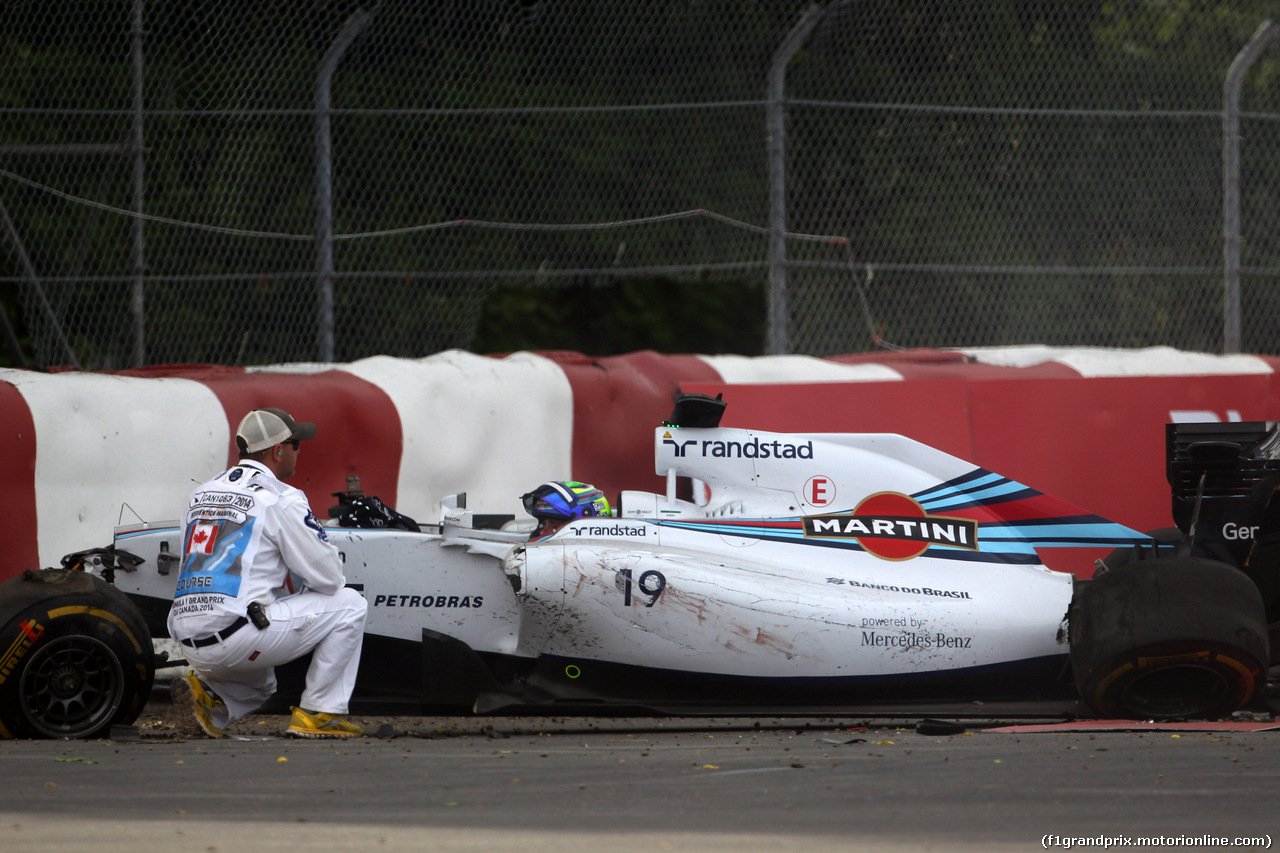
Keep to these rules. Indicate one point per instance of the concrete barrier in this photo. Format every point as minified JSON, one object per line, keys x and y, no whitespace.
{"x":83,"y":452}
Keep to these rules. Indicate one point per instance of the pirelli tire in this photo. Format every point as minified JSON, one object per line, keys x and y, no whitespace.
{"x":75,"y":656}
{"x":1168,"y":638}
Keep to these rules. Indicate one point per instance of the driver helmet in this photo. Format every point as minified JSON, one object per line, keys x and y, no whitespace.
{"x":556,"y":504}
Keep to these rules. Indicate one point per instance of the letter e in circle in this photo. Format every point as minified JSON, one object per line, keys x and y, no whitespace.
{"x":819,"y":490}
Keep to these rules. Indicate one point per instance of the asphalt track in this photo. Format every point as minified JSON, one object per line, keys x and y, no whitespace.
{"x":636,"y":784}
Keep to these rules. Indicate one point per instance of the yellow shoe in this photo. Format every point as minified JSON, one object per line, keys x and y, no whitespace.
{"x":305,"y":724}
{"x":195,"y":705}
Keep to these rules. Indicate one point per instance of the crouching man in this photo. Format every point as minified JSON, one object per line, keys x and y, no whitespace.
{"x":261,"y":585}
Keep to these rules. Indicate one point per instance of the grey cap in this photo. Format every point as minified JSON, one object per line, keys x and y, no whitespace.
{"x":263,"y":428}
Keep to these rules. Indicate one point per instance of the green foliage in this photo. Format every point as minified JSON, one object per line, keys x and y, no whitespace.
{"x":667,"y":316}
{"x":917,"y":190}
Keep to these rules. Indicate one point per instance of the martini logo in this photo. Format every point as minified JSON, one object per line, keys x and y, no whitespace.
{"x":894,"y":527}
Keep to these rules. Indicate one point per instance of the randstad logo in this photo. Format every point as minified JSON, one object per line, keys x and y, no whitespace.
{"x":753,"y":449}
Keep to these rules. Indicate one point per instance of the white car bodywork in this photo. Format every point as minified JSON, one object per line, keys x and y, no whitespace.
{"x":806,"y":568}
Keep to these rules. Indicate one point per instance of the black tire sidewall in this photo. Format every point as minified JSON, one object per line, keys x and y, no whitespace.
{"x":1191,"y":614}
{"x":55,"y":614}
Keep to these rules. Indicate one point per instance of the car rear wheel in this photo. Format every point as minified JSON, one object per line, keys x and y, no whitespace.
{"x":75,"y":656}
{"x":1168,"y":638}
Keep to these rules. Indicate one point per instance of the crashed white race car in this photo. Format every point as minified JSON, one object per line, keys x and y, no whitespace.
{"x":807,"y":573}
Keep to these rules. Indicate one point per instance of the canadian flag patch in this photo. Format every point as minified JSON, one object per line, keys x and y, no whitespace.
{"x":202,"y":536}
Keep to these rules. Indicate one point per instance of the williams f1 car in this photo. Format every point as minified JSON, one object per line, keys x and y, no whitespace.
{"x":778,"y":574}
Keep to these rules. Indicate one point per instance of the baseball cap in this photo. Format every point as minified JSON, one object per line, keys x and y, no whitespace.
{"x":263,"y":428}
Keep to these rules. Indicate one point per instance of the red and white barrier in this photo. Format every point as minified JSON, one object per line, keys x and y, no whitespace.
{"x":83,"y":452}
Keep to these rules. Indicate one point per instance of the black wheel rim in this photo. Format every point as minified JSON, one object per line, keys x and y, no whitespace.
{"x":1189,"y":690}
{"x":71,"y":687}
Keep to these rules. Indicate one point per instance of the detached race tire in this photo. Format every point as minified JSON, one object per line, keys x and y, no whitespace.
{"x":75,"y":656}
{"x":1168,"y":638}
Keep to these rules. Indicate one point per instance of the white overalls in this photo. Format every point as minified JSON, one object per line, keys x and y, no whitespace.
{"x":249,"y":537}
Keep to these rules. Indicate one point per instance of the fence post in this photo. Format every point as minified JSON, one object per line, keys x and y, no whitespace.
{"x":1231,"y":182}
{"x":137,"y":302}
{"x":779,"y":338}
{"x":324,"y":182}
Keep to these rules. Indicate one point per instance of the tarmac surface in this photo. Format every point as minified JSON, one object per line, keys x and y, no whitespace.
{"x":638,"y":784}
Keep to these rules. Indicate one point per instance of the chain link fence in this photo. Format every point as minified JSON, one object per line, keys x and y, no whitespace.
{"x":245,"y":183}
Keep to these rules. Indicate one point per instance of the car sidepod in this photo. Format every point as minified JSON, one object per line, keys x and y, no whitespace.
{"x":680,"y":617}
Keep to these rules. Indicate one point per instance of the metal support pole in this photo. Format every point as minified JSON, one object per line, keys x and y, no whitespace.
{"x":137,"y":303}
{"x":779,"y":338}
{"x":324,"y":182}
{"x":1231,"y":182}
